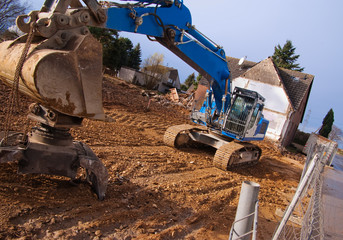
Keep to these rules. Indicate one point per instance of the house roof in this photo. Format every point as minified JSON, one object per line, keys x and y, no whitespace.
{"x":264,"y":71}
{"x":296,"y":84}
{"x":237,"y":70}
{"x":160,"y":68}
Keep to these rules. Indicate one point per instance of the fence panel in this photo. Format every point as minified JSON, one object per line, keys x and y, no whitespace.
{"x":303,"y":217}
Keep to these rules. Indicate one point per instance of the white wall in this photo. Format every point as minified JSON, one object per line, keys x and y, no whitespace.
{"x":276,"y":123}
{"x":126,"y":74}
{"x":275,"y":96}
{"x":276,"y":104}
{"x":131,"y":76}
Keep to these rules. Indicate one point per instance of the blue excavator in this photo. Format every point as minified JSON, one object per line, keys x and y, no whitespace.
{"x":58,"y":63}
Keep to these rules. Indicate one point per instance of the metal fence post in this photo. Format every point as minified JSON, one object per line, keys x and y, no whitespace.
{"x":246,"y":212}
{"x":303,"y":217}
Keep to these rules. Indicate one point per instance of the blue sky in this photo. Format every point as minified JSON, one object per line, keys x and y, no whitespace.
{"x":252,"y":28}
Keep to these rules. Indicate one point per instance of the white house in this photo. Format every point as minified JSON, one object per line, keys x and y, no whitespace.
{"x":286,"y":93}
{"x":169,"y":78}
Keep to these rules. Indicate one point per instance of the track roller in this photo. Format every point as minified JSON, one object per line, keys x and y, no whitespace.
{"x":233,"y":154}
{"x":176,"y":136}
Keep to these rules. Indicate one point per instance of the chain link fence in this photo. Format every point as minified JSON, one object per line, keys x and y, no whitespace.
{"x":303,"y":217}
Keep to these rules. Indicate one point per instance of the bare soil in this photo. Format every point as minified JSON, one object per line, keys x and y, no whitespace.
{"x":154,"y":191}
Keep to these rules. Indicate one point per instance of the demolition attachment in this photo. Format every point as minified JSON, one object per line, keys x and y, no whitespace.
{"x":49,"y":149}
{"x":60,"y":66}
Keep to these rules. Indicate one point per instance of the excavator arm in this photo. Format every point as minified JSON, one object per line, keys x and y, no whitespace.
{"x":168,"y":22}
{"x":172,"y":27}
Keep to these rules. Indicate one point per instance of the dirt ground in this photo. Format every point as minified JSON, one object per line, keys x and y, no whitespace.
{"x":154,"y":191}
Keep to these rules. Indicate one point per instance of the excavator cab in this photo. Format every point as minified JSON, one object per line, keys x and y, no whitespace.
{"x":244,"y":119}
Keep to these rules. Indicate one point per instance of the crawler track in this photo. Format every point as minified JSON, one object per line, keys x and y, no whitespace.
{"x":173,"y":136}
{"x":230,"y":155}
{"x":233,"y":155}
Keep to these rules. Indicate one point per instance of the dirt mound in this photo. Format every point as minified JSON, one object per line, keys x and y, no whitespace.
{"x":154,"y":192}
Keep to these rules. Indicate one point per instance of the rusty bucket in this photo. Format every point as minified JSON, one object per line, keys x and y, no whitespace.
{"x":67,"y":80}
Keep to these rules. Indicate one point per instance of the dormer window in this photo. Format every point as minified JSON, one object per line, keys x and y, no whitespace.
{"x":295,"y":79}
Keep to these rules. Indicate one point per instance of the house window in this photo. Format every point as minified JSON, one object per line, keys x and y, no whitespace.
{"x":171,"y":81}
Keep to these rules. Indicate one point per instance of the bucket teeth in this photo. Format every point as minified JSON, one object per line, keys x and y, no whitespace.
{"x":97,"y":174}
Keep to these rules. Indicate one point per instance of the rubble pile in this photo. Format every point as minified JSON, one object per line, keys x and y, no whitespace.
{"x":183,"y":100}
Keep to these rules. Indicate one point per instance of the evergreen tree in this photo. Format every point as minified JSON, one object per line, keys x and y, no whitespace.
{"x":190,"y":80}
{"x":117,"y":51}
{"x":184,"y":87}
{"x":135,"y":59}
{"x":124,"y":46}
{"x":327,"y":124}
{"x":197,"y":81}
{"x":285,"y":57}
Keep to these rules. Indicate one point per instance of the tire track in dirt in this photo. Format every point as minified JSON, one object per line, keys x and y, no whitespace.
{"x":146,"y":121}
{"x":154,"y":191}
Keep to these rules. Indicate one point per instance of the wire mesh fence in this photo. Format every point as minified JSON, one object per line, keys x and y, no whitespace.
{"x":303,"y":217}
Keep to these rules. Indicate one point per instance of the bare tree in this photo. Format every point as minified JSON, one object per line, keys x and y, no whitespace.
{"x":336,"y":134}
{"x":9,"y":10}
{"x":154,"y":70}
{"x":11,"y":33}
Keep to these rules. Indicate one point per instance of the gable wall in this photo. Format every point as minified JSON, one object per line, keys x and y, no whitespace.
{"x":136,"y":77}
{"x":277,"y":105}
{"x":177,"y":83}
{"x":165,"y":86}
{"x":295,"y":121}
{"x":131,"y":76}
{"x":126,"y":74}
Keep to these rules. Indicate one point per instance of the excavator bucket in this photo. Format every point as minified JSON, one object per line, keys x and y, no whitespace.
{"x":68,"y":81}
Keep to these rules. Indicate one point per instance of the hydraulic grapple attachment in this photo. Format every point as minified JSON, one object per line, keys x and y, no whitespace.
{"x":51,"y":150}
{"x":60,"y":66}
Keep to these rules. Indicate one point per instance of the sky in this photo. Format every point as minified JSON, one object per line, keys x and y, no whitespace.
{"x":253,"y":28}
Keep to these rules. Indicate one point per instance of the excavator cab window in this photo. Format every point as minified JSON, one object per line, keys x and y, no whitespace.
{"x":254,"y":115}
{"x":238,"y":114}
